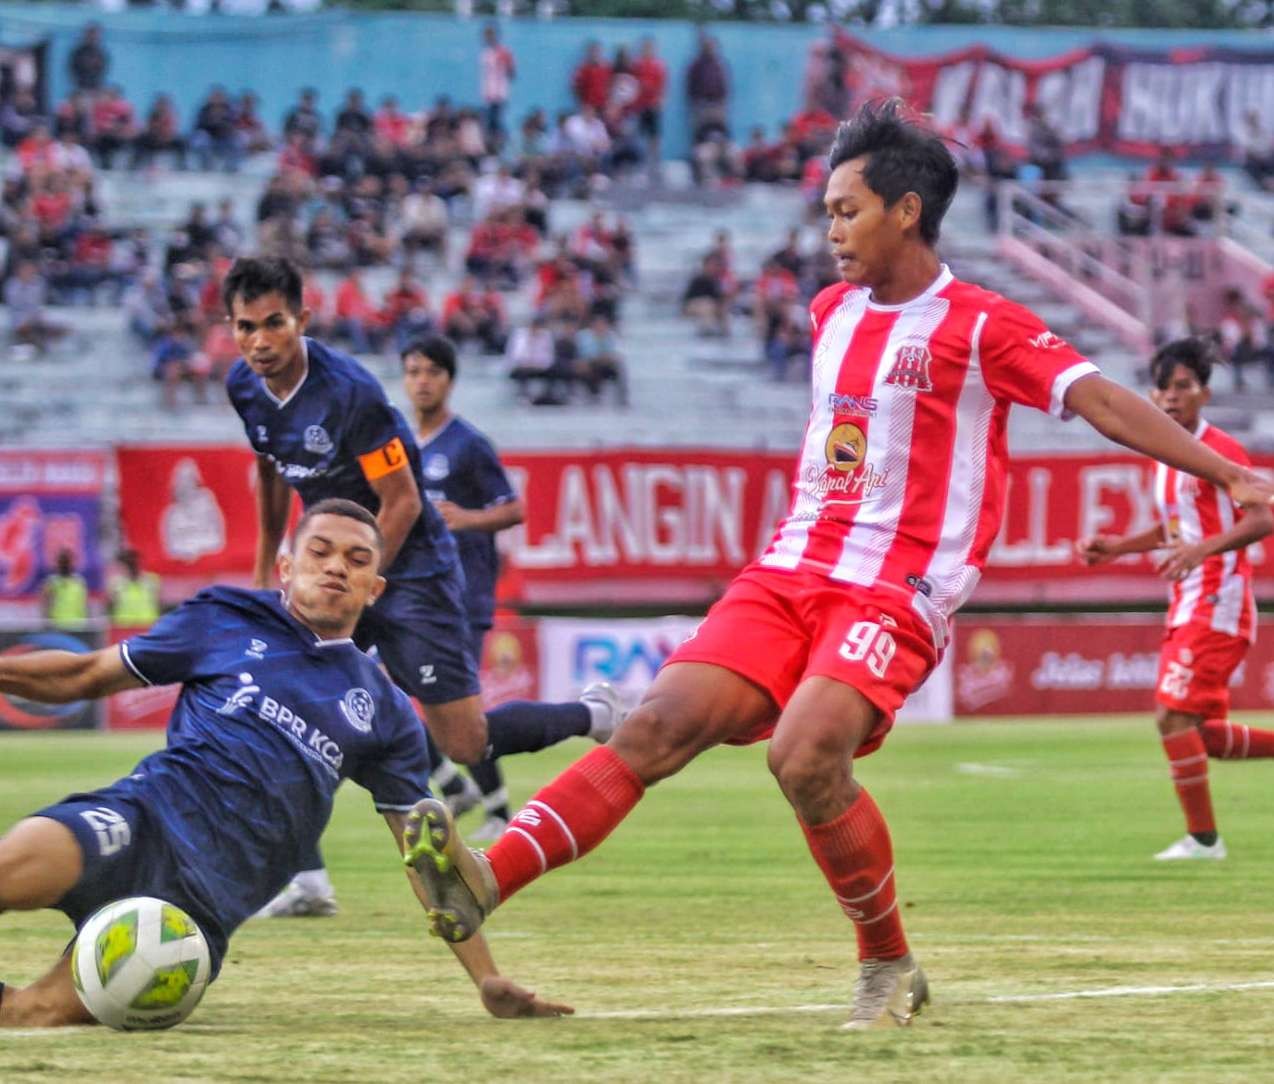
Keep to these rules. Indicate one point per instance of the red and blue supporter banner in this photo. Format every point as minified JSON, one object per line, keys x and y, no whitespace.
{"x":49,"y":501}
{"x":19,"y":714}
{"x":1101,"y":98}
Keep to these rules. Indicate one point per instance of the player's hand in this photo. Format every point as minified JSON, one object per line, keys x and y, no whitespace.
{"x":1251,"y":488}
{"x":1178,"y":562}
{"x":455,"y":517}
{"x":507,"y":1000}
{"x":1096,"y":549}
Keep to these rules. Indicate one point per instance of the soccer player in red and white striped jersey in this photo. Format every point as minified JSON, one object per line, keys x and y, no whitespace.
{"x":897,"y":496}
{"x":1212,"y":616}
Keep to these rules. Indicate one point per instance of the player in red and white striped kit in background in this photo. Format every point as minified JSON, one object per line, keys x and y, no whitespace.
{"x":1212,"y":616}
{"x":897,"y":497}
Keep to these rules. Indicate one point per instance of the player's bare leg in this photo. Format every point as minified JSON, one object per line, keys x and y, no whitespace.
{"x":811,"y":756}
{"x":689,"y":708}
{"x":1187,"y":754}
{"x":49,"y":1002}
{"x":460,"y":728}
{"x":40,"y":861}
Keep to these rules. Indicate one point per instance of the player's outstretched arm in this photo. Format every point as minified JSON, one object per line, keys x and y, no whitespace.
{"x":501,"y":996}
{"x":1256,"y":523}
{"x":274,"y":502}
{"x":1134,"y":422}
{"x":1097,"y":549}
{"x":59,"y":677}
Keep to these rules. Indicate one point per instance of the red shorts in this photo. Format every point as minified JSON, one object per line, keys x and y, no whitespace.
{"x":777,"y":628}
{"x":1195,"y":667}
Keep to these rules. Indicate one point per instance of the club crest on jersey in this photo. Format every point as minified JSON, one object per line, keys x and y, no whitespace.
{"x":911,"y":369}
{"x":317,"y":440}
{"x":437,"y":467}
{"x":359,"y":708}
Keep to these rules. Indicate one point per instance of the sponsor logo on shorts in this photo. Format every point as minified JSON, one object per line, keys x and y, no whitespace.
{"x":427,"y":675}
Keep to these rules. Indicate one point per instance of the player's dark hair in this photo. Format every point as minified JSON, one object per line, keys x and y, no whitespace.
{"x":437,"y":348}
{"x":903,"y":155}
{"x":1197,"y":355}
{"x":255,"y":276}
{"x":338,"y":506}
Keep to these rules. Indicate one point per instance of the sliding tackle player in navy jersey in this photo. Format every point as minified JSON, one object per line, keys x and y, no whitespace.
{"x":277,"y":707}
{"x":321,"y":425}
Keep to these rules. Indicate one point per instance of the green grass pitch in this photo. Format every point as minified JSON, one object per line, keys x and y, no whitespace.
{"x":700,"y":944}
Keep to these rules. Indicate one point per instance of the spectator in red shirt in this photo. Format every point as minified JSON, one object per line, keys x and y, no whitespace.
{"x":315,"y":300}
{"x":159,"y":135}
{"x":652,"y":81}
{"x":114,"y":126}
{"x":473,"y":313}
{"x":357,"y":319}
{"x":405,"y":312}
{"x":37,"y":153}
{"x":254,"y":136}
{"x":776,"y":292}
{"x":496,"y":72}
{"x":591,"y":81}
{"x":296,"y":157}
{"x":391,"y":123}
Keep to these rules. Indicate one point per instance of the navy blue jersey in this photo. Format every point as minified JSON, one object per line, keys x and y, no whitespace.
{"x":334,"y":432}
{"x":461,"y":466}
{"x":270,"y":720}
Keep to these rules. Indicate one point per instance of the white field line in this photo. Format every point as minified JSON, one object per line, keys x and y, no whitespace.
{"x":795,"y":1010}
{"x":1001,"y":999}
{"x":998,"y":771}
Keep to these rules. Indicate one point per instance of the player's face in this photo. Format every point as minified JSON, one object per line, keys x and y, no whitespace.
{"x":1182,"y":398}
{"x":333,"y":574}
{"x":268,"y":335}
{"x":427,"y":384}
{"x":865,"y":235}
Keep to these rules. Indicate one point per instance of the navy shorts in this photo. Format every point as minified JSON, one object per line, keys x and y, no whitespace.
{"x":422,"y":636}
{"x":126,"y":853}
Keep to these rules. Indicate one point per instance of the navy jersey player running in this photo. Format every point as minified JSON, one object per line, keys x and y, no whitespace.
{"x":466,"y":483}
{"x":321,"y":425}
{"x":277,"y":707}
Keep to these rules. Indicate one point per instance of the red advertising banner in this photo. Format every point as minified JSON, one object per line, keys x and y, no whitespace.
{"x":49,"y":501}
{"x":668,"y":526}
{"x":189,"y":509}
{"x":1104,"y":97}
{"x":636,"y":524}
{"x":1086,"y":664}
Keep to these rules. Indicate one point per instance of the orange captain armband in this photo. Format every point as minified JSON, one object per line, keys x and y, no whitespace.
{"x":383,"y":461}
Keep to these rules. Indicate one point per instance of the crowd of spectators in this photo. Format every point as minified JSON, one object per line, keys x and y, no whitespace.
{"x":775,"y":301}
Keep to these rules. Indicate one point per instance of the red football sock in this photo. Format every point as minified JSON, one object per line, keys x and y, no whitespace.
{"x":1188,"y":759}
{"x":857,"y":858}
{"x":1234,"y":741}
{"x":565,"y":820}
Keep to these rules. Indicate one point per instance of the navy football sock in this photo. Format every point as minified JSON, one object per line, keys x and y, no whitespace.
{"x":525,"y":726}
{"x":490,"y":781}
{"x":311,"y":859}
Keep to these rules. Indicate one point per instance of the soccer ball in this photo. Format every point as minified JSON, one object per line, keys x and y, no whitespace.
{"x":140,"y":964}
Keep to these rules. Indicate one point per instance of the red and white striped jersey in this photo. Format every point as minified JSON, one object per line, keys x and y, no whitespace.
{"x":901,"y":479}
{"x":1218,"y":593}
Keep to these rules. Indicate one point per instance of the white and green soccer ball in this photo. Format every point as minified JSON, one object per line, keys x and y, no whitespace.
{"x":140,"y":964}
